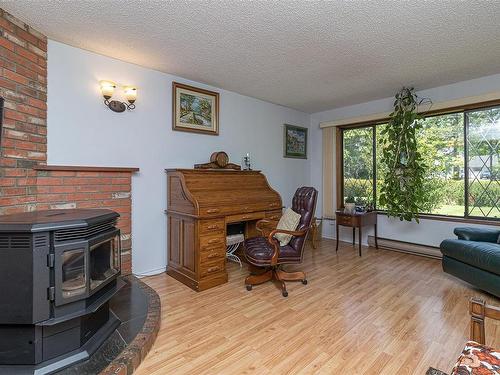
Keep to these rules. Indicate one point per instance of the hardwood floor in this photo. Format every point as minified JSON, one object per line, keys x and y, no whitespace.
{"x":384,"y":313}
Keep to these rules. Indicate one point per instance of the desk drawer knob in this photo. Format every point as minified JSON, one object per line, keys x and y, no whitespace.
{"x":246,"y":217}
{"x":212,"y":255}
{"x":213,"y":210}
{"x":212,"y":227}
{"x":214,"y":240}
{"x":212,"y":269}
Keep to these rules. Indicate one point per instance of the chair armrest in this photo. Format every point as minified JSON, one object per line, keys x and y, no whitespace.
{"x":477,"y":234}
{"x":265,"y":226}
{"x":479,"y":310}
{"x":275,"y":243}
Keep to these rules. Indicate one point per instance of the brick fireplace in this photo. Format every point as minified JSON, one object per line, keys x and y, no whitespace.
{"x":65,"y":187}
{"x":26,"y":182}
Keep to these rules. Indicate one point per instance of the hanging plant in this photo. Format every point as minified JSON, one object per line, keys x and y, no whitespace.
{"x":402,"y":193}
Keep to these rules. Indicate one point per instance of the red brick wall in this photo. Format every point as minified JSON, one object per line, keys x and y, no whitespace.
{"x":23,"y":85}
{"x":90,"y":189}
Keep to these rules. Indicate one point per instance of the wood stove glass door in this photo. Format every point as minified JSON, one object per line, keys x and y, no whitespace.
{"x":104,"y":260}
{"x":71,"y":272}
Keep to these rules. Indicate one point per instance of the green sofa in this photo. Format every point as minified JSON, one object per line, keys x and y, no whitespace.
{"x":474,"y":257}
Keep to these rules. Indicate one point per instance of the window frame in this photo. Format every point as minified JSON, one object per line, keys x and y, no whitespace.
{"x":466,"y":218}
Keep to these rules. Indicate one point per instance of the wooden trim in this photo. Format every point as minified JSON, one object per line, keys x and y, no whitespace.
{"x":463,"y":108}
{"x":365,"y":124}
{"x":431,"y":113}
{"x":81,"y":168}
{"x":217,"y":170}
{"x":443,"y":108}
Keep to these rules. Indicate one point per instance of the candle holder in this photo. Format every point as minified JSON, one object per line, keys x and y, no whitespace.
{"x":247,"y":163}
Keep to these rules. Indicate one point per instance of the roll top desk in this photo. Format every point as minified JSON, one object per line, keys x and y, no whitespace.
{"x":200,"y":205}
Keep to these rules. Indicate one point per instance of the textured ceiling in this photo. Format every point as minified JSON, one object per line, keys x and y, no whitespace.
{"x":308,"y":55}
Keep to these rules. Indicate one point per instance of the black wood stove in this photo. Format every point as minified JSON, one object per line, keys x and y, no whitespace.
{"x":58,"y":270}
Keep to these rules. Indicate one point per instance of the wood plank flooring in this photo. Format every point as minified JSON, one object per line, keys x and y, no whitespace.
{"x":385,"y":313}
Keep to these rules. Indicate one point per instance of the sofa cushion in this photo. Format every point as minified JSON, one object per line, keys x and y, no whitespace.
{"x":477,"y":359}
{"x":477,"y":234}
{"x":483,"y":255}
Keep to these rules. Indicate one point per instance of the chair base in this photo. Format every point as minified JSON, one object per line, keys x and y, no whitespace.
{"x":275,"y":273}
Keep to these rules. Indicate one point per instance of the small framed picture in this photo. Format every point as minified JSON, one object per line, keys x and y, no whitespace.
{"x":195,"y":110}
{"x":295,"y":142}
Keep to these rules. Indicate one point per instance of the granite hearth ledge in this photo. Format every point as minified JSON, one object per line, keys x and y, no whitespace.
{"x":81,"y":168}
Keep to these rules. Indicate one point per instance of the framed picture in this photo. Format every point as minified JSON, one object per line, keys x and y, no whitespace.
{"x":195,"y":110}
{"x":295,"y":142}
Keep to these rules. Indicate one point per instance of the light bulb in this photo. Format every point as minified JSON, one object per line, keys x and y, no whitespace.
{"x":107,"y":89}
{"x":130,"y":93}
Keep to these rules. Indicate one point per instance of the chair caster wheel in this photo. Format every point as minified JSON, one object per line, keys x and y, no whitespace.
{"x":285,"y":294}
{"x":249,"y":287}
{"x":304,"y":282}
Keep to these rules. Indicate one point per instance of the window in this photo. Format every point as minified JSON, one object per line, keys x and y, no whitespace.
{"x":483,"y":167}
{"x":461,"y":149}
{"x":358,"y":164}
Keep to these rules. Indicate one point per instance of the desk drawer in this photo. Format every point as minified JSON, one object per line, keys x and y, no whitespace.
{"x":212,"y":226}
{"x":212,"y":267}
{"x":273,"y":205}
{"x":245,"y":217}
{"x":212,"y":254}
{"x":211,"y":242}
{"x":344,"y":220}
{"x":273,"y":215}
{"x":214,"y":211}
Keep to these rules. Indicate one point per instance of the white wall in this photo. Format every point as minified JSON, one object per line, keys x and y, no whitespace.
{"x":428,"y":232}
{"x":82,"y":131}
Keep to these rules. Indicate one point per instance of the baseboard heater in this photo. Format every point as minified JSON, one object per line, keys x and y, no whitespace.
{"x":406,"y":247}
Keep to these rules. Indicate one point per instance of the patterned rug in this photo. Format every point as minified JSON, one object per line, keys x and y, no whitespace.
{"x":433,"y":371}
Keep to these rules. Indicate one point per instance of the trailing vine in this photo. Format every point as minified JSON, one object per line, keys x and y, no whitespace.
{"x":402,"y":192}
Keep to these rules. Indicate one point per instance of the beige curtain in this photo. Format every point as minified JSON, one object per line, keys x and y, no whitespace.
{"x":328,"y":171}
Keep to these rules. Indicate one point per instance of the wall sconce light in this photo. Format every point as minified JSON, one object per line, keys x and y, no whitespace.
{"x":108,"y":88}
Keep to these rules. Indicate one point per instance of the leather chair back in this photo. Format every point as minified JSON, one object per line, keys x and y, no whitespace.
{"x":304,"y":203}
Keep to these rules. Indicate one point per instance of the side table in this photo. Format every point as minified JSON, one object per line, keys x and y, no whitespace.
{"x":356,"y":220}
